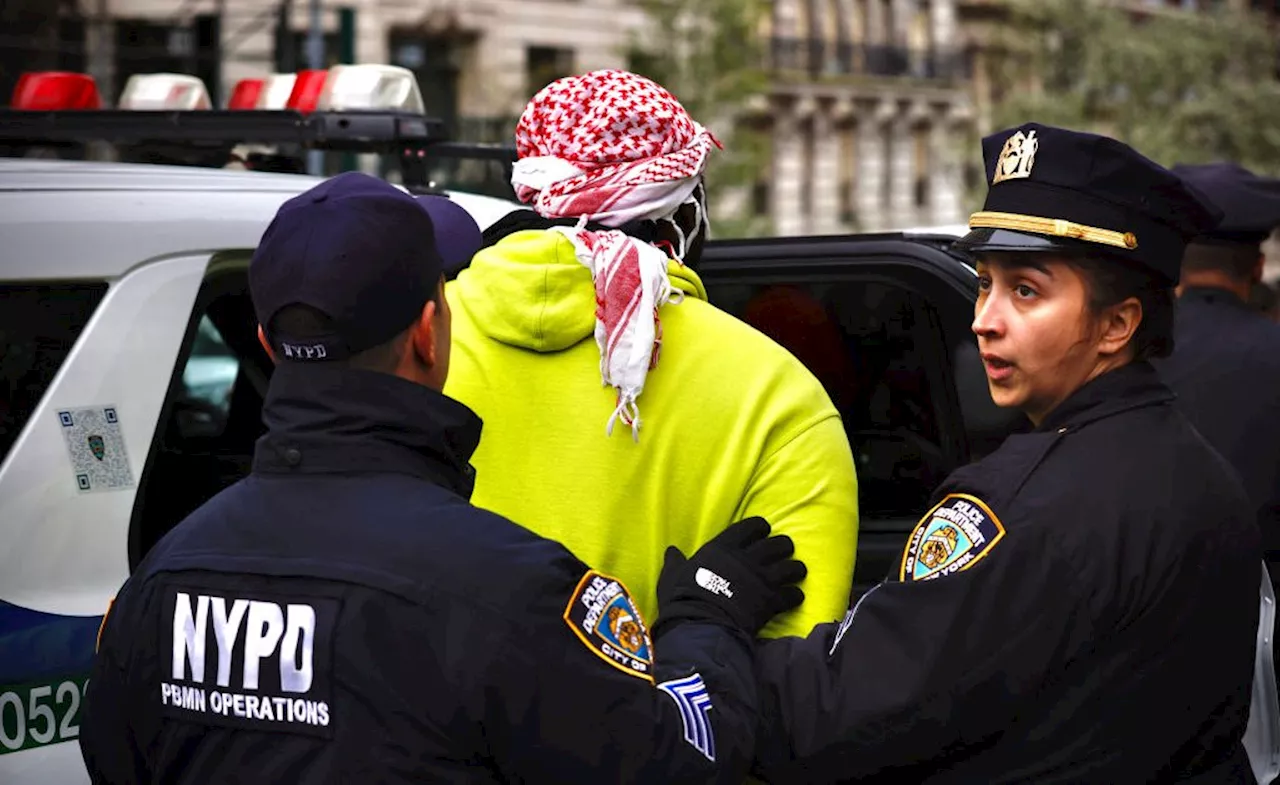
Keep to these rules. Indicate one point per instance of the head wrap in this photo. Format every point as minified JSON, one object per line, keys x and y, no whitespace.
{"x":613,"y":147}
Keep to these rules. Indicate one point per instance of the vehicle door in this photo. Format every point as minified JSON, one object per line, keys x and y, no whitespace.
{"x":883,"y":322}
{"x":83,"y":371}
{"x":108,"y":342}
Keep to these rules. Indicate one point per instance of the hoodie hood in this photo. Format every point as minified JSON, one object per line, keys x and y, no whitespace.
{"x":529,"y":290}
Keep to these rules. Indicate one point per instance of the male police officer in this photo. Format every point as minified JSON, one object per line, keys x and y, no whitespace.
{"x":344,"y":615}
{"x":1081,"y":604}
{"x":1226,"y":364}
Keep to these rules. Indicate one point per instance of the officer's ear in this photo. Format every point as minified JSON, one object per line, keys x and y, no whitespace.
{"x":1119,"y":323}
{"x":431,"y":333}
{"x":262,"y":339}
{"x":423,"y":335}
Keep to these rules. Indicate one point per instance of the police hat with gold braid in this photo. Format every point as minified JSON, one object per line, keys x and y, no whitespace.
{"x":1250,"y":203}
{"x":1052,"y":189}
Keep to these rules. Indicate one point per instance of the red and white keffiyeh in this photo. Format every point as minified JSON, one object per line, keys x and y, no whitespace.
{"x":614,"y":147}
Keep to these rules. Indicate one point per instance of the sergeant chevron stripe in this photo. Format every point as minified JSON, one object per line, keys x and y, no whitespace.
{"x":690,"y":695}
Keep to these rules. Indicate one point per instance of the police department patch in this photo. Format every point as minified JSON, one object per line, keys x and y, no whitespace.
{"x":953,"y":536}
{"x":604,"y":617}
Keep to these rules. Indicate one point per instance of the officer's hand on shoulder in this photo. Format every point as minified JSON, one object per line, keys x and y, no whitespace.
{"x":742,"y":578}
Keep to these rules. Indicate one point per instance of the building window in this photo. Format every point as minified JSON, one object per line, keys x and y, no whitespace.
{"x":922,"y":165}
{"x":761,"y":194}
{"x":807,"y":169}
{"x":974,"y":176}
{"x":331,"y":46}
{"x":545,"y":64}
{"x":887,"y":144}
{"x":848,"y":177}
{"x":436,"y":63}
{"x":145,"y":46}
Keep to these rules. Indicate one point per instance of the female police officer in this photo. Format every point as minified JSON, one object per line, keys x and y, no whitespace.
{"x":1081,"y":605}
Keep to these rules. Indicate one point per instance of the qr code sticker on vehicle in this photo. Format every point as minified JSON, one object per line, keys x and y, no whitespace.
{"x":95,"y":444}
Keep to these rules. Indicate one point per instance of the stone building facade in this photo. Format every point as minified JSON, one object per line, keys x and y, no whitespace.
{"x":870,"y":115}
{"x":868,"y":112}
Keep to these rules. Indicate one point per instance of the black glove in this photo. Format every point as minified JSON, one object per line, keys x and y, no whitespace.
{"x":742,"y":578}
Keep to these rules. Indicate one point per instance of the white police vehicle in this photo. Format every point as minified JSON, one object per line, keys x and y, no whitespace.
{"x":128,"y":392}
{"x":131,"y":380}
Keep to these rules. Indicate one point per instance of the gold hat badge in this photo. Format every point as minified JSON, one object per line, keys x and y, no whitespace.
{"x":1015,"y":161}
{"x":1017,"y":157}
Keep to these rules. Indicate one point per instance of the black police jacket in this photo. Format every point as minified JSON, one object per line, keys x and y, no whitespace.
{"x":344,"y":614}
{"x":1225,"y":369}
{"x":1079,"y":606}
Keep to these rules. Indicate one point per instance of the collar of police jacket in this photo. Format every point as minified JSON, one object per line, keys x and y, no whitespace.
{"x":1132,"y":386}
{"x":1212,"y":295}
{"x":338,"y":420}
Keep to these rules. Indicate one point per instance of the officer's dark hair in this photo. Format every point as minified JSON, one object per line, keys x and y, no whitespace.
{"x":1237,"y":260}
{"x":303,"y":321}
{"x":1111,"y":281}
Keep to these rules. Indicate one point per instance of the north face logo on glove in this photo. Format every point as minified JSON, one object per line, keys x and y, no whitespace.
{"x":712,"y":582}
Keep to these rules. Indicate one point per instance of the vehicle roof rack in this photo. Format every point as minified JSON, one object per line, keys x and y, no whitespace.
{"x":201,"y":136}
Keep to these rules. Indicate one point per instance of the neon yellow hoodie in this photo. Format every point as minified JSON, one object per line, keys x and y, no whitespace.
{"x":732,"y":426}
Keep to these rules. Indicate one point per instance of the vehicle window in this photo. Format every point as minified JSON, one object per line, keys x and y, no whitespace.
{"x":39,"y":323}
{"x":212,"y":416}
{"x":868,"y":343}
{"x":207,"y":381}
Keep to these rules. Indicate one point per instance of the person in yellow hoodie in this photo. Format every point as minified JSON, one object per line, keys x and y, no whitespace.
{"x":733,"y":425}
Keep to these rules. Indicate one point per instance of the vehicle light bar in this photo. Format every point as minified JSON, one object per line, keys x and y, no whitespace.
{"x":152,"y":92}
{"x":413,"y":138}
{"x":366,"y":87}
{"x":43,"y":91}
{"x":306,"y":90}
{"x":355,"y":131}
{"x":357,"y":108}
{"x":245,"y":94}
{"x":276,"y":91}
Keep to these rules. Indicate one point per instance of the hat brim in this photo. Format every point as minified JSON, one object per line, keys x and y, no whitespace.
{"x":987,"y":239}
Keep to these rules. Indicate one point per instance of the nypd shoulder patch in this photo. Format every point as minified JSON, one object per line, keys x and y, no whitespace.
{"x":955,"y":535}
{"x":605,"y":618}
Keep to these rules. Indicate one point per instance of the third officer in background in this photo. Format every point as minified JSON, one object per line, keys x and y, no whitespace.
{"x":1080,"y":605}
{"x":1226,"y":364}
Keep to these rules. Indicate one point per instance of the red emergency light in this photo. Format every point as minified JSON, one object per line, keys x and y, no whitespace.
{"x":48,"y":91}
{"x":307,"y":89}
{"x":245,"y":94}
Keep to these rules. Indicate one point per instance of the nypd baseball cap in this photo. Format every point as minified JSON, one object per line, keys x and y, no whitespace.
{"x":458,"y":236}
{"x":355,"y":248}
{"x":1054,"y":189}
